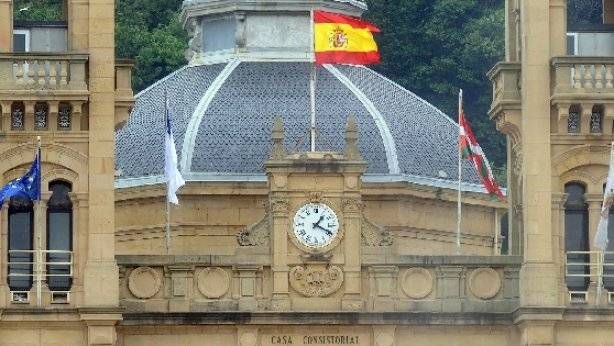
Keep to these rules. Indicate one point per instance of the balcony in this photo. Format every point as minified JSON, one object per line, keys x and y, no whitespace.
{"x":472,"y":286}
{"x":57,"y":73}
{"x":583,"y":94}
{"x":506,"y":104}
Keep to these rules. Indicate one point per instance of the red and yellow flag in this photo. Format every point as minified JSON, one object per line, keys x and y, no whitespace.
{"x":340,"y":39}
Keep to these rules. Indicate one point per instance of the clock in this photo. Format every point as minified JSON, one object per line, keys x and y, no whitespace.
{"x":316,"y":225}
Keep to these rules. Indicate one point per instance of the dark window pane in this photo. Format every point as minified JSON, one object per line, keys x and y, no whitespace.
{"x":21,"y":222}
{"x":59,"y":236}
{"x":19,"y":43}
{"x":576,"y":236}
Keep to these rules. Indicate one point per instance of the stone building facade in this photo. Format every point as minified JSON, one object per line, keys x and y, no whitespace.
{"x":243,"y":266}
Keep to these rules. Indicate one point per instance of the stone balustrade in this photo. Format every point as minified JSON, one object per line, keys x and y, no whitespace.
{"x":505,"y":79}
{"x":48,"y":71}
{"x":583,"y":75}
{"x":439,"y":284}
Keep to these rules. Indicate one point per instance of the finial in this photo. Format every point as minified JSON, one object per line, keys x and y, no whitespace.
{"x":279,"y":151}
{"x":351,"y":139}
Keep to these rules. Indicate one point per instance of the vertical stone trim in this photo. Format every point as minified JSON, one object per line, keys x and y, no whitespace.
{"x":4,"y":232}
{"x":450,"y":289}
{"x":543,"y":32}
{"x":352,"y":215}
{"x":6,"y":25}
{"x":247,"y":286}
{"x":279,"y":210}
{"x":383,"y":280}
{"x":180,"y":278}
{"x":5,"y":115}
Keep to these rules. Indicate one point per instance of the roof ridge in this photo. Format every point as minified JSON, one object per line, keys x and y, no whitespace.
{"x":159,"y":81}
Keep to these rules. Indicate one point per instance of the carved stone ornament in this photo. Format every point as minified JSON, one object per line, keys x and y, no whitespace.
{"x":256,"y":235}
{"x":417,"y":283}
{"x":315,"y":197}
{"x":485,"y":283}
{"x":278,"y":151}
{"x":316,"y":281}
{"x":352,"y":206}
{"x":374,"y":235}
{"x":213,"y":282}
{"x":279,"y":206}
{"x":144,"y":282}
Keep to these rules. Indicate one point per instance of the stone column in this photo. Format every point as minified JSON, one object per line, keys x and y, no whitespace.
{"x":40,"y":244}
{"x":543,"y":23}
{"x":5,"y":116}
{"x":6,"y":25}
{"x":78,"y":25}
{"x":558,"y":229}
{"x":4,"y":289}
{"x":594,"y":215}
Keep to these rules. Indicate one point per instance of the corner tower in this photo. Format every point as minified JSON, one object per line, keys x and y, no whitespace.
{"x":554,"y":98}
{"x":59,"y":81}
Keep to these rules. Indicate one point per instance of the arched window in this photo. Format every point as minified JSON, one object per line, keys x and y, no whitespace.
{"x":597,"y":119}
{"x":41,"y":115}
{"x":21,"y":234}
{"x":573,"y":121}
{"x":576,"y":237}
{"x":18,"y":112}
{"x":59,"y":236}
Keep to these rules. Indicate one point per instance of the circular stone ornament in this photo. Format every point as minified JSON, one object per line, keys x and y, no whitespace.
{"x":484,"y":283}
{"x":213,"y":282}
{"x":417,"y":283}
{"x":144,"y":282}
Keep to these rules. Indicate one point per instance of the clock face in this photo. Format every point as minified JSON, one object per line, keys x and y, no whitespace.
{"x":315,"y":225}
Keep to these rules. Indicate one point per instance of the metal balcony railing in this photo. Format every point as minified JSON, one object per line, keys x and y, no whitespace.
{"x":43,"y":268}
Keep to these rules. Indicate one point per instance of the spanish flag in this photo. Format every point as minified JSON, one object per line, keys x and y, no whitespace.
{"x":342,"y":39}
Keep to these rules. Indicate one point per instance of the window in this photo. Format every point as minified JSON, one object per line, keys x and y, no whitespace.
{"x":573,"y":121}
{"x":576,"y":238}
{"x":41,"y":113}
{"x":597,"y":119}
{"x":64,"y":116}
{"x":219,"y":34}
{"x":21,"y":41}
{"x":17,"y":115}
{"x":21,"y":234}
{"x":59,"y":237}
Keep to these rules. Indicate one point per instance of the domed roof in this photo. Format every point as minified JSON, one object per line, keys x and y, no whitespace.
{"x":223,"y":115}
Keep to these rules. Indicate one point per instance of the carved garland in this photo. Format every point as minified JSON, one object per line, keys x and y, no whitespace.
{"x":316,"y":281}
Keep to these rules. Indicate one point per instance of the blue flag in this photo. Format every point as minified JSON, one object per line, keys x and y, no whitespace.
{"x":28,"y":185}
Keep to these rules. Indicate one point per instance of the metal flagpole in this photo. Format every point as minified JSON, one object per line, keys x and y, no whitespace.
{"x":39,"y":250}
{"x":312,"y":89}
{"x":168,"y":203}
{"x":460,"y":176}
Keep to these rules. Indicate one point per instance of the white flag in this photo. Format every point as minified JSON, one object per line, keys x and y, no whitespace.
{"x":601,"y":238}
{"x":174,"y":180}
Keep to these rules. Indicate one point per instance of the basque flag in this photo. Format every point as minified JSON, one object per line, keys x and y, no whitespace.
{"x":28,"y":185}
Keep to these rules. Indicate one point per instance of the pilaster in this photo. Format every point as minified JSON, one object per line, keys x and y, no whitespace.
{"x":6,"y":25}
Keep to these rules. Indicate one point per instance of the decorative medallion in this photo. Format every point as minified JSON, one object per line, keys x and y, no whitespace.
{"x":417,"y":283}
{"x":316,"y":281}
{"x":144,"y":282}
{"x":485,"y":283}
{"x":213,"y":282}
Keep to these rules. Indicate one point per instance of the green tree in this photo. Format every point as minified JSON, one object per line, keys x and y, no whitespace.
{"x":38,"y":10}
{"x":436,"y":47}
{"x":149,"y":31}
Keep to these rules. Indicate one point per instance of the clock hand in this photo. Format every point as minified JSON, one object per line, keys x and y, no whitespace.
{"x":324,"y":229}
{"x":318,"y":223}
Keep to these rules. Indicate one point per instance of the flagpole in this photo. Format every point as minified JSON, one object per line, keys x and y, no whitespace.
{"x":39,"y":251}
{"x":460,"y":176}
{"x":168,"y":203}
{"x":312,"y":89}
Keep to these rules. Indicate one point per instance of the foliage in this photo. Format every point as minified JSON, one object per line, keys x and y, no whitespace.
{"x":149,"y":31}
{"x":436,"y":47}
{"x":38,"y":10}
